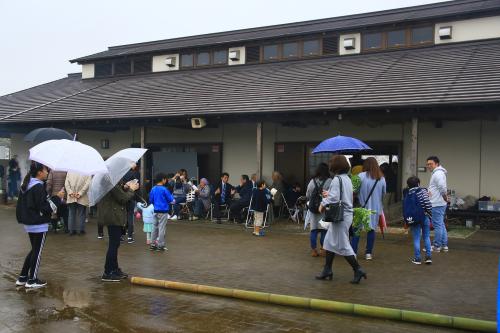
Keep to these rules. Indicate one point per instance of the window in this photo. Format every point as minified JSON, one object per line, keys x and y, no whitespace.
{"x":270,"y":52}
{"x":220,"y":57}
{"x":203,"y":59}
{"x":252,"y":54}
{"x":311,"y":48}
{"x":330,"y":45}
{"x":187,"y":60}
{"x":291,"y":50}
{"x":142,"y":66}
{"x":396,"y":38}
{"x":123,"y":67}
{"x":372,"y":41}
{"x":103,"y":69}
{"x":422,"y":35}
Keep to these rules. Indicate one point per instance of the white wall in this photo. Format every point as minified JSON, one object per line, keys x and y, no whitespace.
{"x":467,"y":30}
{"x":88,"y":71}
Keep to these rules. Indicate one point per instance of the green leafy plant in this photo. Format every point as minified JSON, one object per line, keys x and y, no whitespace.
{"x":361,"y":219}
{"x":356,"y":183}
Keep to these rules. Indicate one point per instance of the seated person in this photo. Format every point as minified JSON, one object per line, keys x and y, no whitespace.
{"x":202,"y":201}
{"x":245,"y":192}
{"x":292,"y":195}
{"x":222,"y":195}
{"x":181,"y":189}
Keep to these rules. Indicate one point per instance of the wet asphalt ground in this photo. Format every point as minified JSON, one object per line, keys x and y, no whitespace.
{"x":459,"y":283}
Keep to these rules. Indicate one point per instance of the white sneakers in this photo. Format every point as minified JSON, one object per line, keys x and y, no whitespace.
{"x":174,"y":218}
{"x":368,"y":256}
{"x":439,"y":249}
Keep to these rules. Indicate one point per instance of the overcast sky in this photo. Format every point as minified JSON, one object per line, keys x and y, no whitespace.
{"x":37,"y":38}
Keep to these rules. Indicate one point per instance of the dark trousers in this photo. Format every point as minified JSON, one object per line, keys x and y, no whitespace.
{"x":217,"y":202}
{"x":33,"y":259}
{"x":100,"y":229}
{"x":236,"y":208}
{"x":129,"y":228}
{"x":111,"y":265}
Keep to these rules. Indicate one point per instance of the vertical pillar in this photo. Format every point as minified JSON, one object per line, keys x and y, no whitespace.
{"x":143,"y":160}
{"x":414,"y":146}
{"x":259,"y":150}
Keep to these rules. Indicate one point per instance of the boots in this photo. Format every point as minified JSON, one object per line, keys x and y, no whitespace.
{"x":327,"y":272}
{"x":358,"y":271}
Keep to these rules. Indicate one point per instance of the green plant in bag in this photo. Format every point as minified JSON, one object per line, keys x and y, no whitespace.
{"x":361,"y":219}
{"x":356,"y":183}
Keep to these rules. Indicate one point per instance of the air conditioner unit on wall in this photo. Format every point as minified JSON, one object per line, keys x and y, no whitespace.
{"x":349,"y":43}
{"x":445,"y":32}
{"x":234,"y":55}
{"x":198,"y":123}
{"x":170,"y":61}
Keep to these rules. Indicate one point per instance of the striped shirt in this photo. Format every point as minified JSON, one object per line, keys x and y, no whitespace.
{"x":423,"y":200}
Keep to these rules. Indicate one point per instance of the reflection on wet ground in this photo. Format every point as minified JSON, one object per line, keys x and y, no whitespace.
{"x":76,"y":300}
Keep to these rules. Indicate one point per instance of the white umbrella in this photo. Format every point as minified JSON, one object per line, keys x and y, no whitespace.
{"x":116,"y":167}
{"x":67,"y":155}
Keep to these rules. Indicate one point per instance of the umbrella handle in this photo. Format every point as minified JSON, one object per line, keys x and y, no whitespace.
{"x":141,"y":198}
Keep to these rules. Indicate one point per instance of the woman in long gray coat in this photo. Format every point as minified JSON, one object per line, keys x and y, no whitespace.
{"x":371,"y":194}
{"x":337,"y":236}
{"x":319,"y":183}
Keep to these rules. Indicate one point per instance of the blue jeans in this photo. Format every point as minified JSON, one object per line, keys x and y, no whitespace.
{"x":177,"y":206}
{"x":370,"y":241}
{"x":199,"y":208}
{"x":440,"y":233}
{"x":314,"y":237}
{"x":421,"y":230}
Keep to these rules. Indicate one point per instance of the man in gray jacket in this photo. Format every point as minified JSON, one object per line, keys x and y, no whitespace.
{"x":439,"y":200}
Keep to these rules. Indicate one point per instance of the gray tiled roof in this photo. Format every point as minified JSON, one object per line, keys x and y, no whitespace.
{"x":430,"y":11}
{"x":439,"y":75}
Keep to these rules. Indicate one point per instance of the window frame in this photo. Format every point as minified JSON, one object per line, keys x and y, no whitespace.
{"x":383,"y":41}
{"x":225,"y":63}
{"x":278,"y":52}
{"x":299,"y":50}
{"x":193,"y":55}
{"x":428,"y":42}
{"x":107,"y":62}
{"x":320,"y":48}
{"x":210,"y":62}
{"x":122,"y":74}
{"x":404,"y":45}
{"x":148,"y":59}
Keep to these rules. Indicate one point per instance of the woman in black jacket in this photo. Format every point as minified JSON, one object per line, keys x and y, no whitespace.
{"x":34,"y":209}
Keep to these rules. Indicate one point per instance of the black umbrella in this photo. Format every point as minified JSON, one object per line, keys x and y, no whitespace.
{"x":49,"y":133}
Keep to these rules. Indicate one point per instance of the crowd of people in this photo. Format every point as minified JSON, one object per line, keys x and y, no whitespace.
{"x":48,"y":196}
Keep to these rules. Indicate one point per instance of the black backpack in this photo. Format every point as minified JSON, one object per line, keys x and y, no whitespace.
{"x":316,"y":197}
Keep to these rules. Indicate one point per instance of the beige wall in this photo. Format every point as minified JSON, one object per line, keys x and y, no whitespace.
{"x":88,"y":71}
{"x":473,"y":29}
{"x":490,"y":159}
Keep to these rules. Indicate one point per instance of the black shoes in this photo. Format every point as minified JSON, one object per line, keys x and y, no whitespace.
{"x":111,"y":277}
{"x":121,"y":273}
{"x":130,"y":240}
{"x":21,"y":281}
{"x":34,"y":284}
{"x":358,"y":274}
{"x":428,"y":260}
{"x":325,"y":274}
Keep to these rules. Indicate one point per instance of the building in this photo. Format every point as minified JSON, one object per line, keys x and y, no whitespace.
{"x":410,"y":82}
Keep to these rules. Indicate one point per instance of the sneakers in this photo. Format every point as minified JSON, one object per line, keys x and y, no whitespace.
{"x":152,"y":248}
{"x":368,"y":256}
{"x":100,"y":236}
{"x":130,"y":240}
{"x":416,"y":261}
{"x":445,"y":249}
{"x":194,"y":218}
{"x":174,"y":218}
{"x":34,"y":284}
{"x":111,"y":277}
{"x":161,"y":249}
{"x":428,"y":260}
{"x":21,"y":281}
{"x":121,"y":273}
{"x":436,"y":248}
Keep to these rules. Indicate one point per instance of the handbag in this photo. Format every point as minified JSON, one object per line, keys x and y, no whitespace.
{"x":334,"y":212}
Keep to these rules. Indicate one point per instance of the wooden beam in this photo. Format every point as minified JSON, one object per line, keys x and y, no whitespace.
{"x":143,"y":160}
{"x":414,"y":146}
{"x":259,"y":150}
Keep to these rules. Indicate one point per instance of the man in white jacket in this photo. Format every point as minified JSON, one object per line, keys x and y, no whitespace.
{"x":439,"y":200}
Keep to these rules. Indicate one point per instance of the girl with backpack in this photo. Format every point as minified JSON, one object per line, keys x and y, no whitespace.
{"x":319,"y":183}
{"x":34,"y":210}
{"x":417,"y":212}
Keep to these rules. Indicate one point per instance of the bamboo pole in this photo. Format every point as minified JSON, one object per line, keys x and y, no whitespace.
{"x":325,"y":305}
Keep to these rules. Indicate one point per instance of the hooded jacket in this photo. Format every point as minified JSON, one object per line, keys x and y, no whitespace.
{"x":437,"y":187}
{"x":33,"y":206}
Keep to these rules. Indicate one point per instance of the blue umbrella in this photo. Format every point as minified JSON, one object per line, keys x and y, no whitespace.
{"x":341,"y":144}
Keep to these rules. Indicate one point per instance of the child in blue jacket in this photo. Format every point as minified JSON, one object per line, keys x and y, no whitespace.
{"x":161,"y":198}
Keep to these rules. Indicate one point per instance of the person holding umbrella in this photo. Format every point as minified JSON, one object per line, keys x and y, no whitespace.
{"x":111,"y":212}
{"x":34,"y":209}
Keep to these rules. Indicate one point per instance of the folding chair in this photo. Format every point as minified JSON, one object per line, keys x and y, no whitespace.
{"x":267,"y":217}
{"x":223,"y":209}
{"x":291,"y":211}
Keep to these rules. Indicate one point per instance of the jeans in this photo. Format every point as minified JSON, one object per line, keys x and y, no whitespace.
{"x":13,"y":189}
{"x":111,"y":265}
{"x":76,"y":217}
{"x":440,"y":233}
{"x":421,"y":230}
{"x":314,"y":237}
{"x":32,"y":261}
{"x":177,"y":206}
{"x":199,"y":208}
{"x":370,"y":241}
